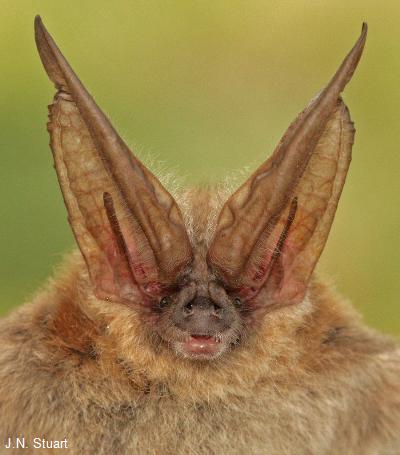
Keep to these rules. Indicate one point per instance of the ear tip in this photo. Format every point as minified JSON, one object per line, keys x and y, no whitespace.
{"x":40,"y":31}
{"x":364,"y":32}
{"x":41,"y":41}
{"x":38,"y":24}
{"x":48,"y":52}
{"x":363,"y":35}
{"x":364,"y":28}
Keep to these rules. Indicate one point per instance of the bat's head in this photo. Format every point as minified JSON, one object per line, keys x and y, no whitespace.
{"x":200,"y":318}
{"x":200,"y":295}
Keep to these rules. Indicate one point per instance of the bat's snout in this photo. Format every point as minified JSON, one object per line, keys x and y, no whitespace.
{"x":202,"y":316}
{"x":200,"y":327}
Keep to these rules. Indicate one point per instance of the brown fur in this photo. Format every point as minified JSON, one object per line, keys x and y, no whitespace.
{"x":310,"y":378}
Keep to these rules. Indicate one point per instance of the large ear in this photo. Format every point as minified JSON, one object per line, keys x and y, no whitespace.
{"x":128,"y":227}
{"x":272,"y":230}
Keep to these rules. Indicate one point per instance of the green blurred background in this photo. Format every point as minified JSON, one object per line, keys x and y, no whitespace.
{"x":207,"y":88}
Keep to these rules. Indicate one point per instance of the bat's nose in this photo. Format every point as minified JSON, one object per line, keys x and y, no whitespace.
{"x":202,"y":316}
{"x":201,"y":307}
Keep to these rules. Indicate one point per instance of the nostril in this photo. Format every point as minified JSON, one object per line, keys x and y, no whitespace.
{"x":202,"y":308}
{"x":188,"y":308}
{"x":217,"y":309}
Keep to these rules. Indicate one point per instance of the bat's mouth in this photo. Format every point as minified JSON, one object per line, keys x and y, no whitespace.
{"x":204,"y":347}
{"x":201,"y":345}
{"x":200,"y":329}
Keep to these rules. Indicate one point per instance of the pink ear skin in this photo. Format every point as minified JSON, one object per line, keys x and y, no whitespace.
{"x":272,"y":230}
{"x":128,"y":227}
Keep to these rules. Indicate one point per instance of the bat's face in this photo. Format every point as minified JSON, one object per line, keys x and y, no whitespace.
{"x":200,"y":300}
{"x":200,"y":319}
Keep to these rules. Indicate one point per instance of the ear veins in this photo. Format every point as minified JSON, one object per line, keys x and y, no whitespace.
{"x":115,"y":227}
{"x":279,"y":246}
{"x":264,"y":272}
{"x":150,"y":289}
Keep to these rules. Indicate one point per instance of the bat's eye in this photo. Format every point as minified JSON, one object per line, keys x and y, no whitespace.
{"x":237,"y":301}
{"x":165,"y":301}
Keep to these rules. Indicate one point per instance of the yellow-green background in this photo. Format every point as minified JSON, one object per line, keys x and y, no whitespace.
{"x":207,"y":87}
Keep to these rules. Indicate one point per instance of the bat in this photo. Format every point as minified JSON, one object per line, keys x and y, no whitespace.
{"x":192,"y":322}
